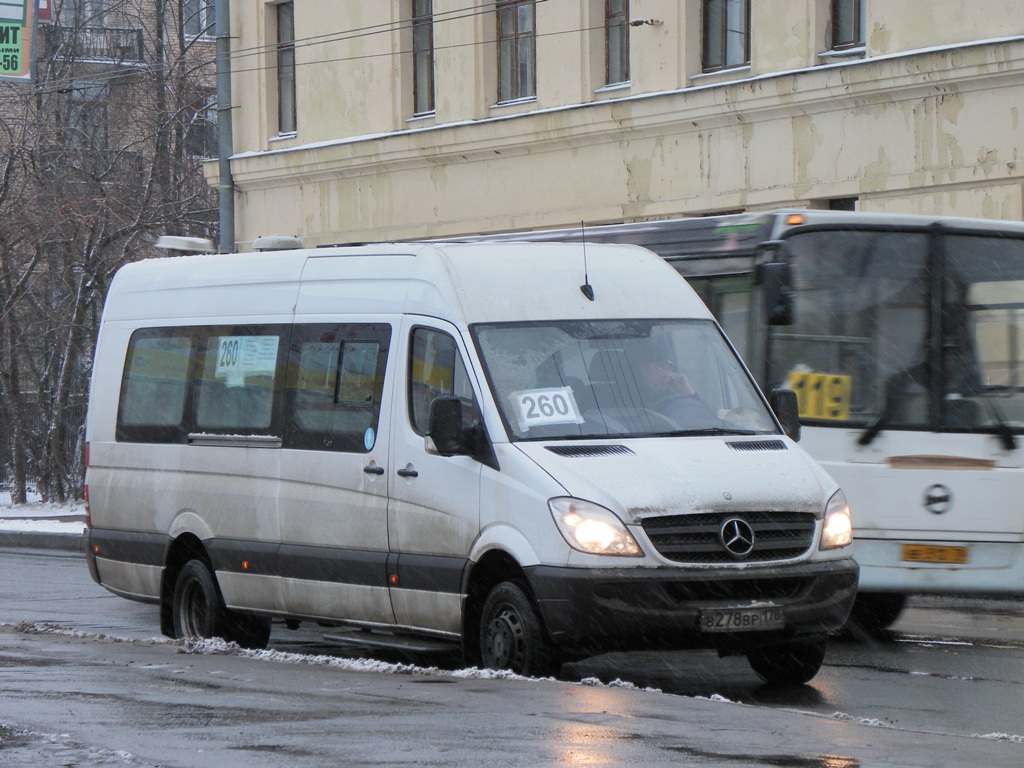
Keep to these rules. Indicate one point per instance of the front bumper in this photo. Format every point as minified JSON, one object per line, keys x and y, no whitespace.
{"x":589,"y":611}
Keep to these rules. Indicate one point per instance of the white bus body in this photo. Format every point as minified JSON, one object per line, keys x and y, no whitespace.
{"x":906,"y":348}
{"x":450,"y":442}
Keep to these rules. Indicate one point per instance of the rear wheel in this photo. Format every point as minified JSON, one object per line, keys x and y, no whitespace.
{"x":788,"y":664}
{"x":198,"y":611}
{"x":512,"y":636}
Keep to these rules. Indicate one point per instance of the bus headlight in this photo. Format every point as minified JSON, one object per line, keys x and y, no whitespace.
{"x":838,"y":528}
{"x":591,"y":528}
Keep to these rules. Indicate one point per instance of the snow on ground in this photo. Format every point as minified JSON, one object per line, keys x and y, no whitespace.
{"x":37,"y":517}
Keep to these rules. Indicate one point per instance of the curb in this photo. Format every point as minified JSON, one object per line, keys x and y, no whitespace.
{"x":68,"y":542}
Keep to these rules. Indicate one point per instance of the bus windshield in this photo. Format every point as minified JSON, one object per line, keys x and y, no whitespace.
{"x":614,"y":378}
{"x":886,"y":334}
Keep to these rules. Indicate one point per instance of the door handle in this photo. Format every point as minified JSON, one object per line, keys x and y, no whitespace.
{"x":373,"y":469}
{"x":408,"y":471}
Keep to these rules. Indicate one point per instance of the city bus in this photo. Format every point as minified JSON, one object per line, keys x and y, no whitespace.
{"x":903,"y":338}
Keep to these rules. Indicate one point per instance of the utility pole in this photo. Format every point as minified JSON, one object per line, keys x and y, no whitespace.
{"x":225,"y":146}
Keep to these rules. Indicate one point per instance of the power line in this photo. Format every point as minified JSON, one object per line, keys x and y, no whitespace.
{"x":165,"y":69}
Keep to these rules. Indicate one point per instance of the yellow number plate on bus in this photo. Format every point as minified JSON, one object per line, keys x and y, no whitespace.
{"x":928,"y":553}
{"x":821,"y":395}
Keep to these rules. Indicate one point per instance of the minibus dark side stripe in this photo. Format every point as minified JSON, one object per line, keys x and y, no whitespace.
{"x":428,"y":573}
{"x":128,"y":546}
{"x":343,"y":566}
{"x":243,"y":556}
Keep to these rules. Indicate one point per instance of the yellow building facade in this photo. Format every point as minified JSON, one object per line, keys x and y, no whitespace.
{"x":368,"y":120}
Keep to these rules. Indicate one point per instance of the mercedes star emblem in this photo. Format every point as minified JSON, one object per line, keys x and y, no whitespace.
{"x":737,"y":537}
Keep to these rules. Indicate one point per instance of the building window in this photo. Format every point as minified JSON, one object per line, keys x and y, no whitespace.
{"x":517,"y":55}
{"x":726,"y":34}
{"x":88,"y":116}
{"x":423,"y":56}
{"x":286,"y":122}
{"x":88,"y":13}
{"x":847,"y":19}
{"x":617,"y":40}
{"x":197,"y":18}
{"x":201,"y":138}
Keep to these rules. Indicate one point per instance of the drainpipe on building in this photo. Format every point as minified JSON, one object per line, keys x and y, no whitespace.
{"x":225,"y":185}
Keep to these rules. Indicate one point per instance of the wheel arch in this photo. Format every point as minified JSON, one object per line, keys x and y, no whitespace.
{"x":493,"y":567}
{"x":185,"y":547}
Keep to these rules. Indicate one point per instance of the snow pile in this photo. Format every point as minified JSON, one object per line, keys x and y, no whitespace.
{"x":37,"y":517}
{"x":872,"y":721}
{"x":1000,"y":737}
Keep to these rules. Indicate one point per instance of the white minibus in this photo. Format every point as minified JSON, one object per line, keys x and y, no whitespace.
{"x":527,"y":452}
{"x":903,"y":337}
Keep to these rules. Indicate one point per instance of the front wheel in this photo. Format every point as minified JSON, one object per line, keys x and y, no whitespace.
{"x":788,"y":664}
{"x":198,"y":611}
{"x":875,"y":611}
{"x":511,"y":634}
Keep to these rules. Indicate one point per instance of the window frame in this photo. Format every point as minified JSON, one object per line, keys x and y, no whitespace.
{"x":722,"y":10}
{"x":205,"y":19}
{"x":616,"y":30}
{"x":287,"y":116}
{"x":518,"y":90}
{"x":856,"y":9}
{"x":298,"y":438}
{"x":422,"y":57}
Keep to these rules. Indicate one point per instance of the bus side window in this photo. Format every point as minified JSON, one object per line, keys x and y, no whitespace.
{"x":436,"y":370}
{"x":238,"y":381}
{"x":336,"y":385}
{"x":154,"y":387}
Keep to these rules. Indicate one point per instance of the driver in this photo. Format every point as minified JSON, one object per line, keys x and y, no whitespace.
{"x":664,"y":389}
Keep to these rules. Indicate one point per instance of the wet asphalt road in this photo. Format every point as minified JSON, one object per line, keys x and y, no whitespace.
{"x":945,"y":688}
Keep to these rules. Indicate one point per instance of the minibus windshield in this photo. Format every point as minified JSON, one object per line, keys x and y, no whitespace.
{"x":618,"y":378}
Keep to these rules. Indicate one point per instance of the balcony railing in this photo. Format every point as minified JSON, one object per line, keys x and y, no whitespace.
{"x":96,"y":44}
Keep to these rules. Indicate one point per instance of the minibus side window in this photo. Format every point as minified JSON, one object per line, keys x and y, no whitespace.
{"x":335,"y":386}
{"x":436,"y":370}
{"x":238,"y":380}
{"x":154,"y":388}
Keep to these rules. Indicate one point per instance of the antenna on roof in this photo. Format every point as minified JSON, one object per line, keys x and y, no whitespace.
{"x":587,"y":288}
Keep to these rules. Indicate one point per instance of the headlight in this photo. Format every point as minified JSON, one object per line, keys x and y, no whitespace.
{"x":591,"y":528}
{"x":838,"y":528}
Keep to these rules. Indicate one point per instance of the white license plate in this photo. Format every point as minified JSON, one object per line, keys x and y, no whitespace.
{"x":741,"y":619}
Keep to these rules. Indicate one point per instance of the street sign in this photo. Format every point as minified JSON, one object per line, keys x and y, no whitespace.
{"x":16,"y":28}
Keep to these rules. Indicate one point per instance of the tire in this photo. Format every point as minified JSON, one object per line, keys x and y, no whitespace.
{"x":789,"y":664}
{"x":198,"y":611}
{"x":875,"y":611}
{"x":512,"y":636}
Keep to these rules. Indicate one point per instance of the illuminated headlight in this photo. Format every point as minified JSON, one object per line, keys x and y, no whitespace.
{"x":591,"y":528}
{"x":838,"y":528}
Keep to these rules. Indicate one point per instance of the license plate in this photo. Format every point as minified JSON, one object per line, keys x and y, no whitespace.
{"x":741,"y":619}
{"x":928,"y":553}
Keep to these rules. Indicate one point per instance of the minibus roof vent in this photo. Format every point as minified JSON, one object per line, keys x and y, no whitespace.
{"x":276,"y":243}
{"x":179,"y":246}
{"x":585,"y":451}
{"x":758,"y":445}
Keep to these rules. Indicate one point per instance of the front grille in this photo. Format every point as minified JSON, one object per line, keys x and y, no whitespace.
{"x":696,"y":539}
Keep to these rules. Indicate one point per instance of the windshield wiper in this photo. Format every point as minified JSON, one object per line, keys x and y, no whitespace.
{"x":709,"y":431}
{"x":1003,"y":430}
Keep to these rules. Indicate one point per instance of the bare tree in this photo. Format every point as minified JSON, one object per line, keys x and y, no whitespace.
{"x":97,"y":158}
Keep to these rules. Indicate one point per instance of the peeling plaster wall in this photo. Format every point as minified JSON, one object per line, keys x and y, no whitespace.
{"x":935,"y":131}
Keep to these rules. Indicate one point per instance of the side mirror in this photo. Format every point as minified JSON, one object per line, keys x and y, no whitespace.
{"x":445,"y":427}
{"x":776,"y":280}
{"x":787,"y":410}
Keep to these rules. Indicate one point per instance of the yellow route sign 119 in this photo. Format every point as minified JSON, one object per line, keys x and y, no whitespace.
{"x":821,"y":395}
